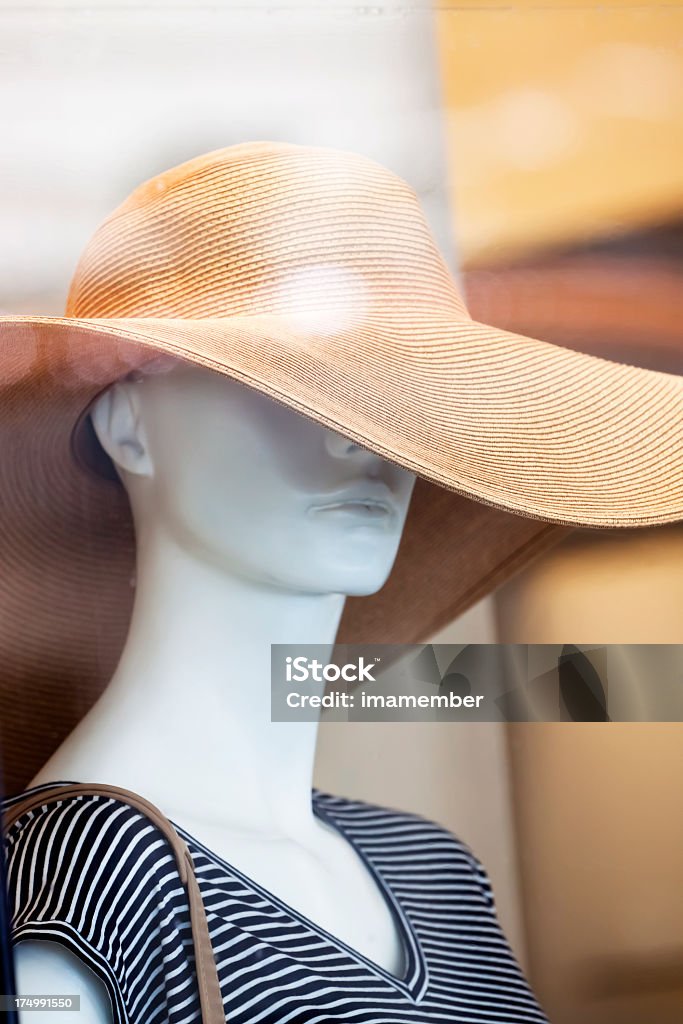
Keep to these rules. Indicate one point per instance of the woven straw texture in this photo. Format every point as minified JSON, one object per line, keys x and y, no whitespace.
{"x":309,"y":274}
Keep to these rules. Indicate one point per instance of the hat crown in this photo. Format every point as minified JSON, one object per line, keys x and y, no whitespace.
{"x":265,"y":228}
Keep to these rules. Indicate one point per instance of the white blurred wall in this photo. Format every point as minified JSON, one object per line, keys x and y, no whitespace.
{"x":97,"y":98}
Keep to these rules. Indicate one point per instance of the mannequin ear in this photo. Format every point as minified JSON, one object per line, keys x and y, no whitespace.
{"x":119,"y":428}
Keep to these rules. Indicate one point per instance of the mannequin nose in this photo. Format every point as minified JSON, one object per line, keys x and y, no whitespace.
{"x":343,"y":448}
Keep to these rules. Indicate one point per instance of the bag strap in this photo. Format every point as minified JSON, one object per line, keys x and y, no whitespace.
{"x":210,"y":998}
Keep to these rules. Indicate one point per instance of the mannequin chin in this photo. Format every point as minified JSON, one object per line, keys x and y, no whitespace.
{"x":250,"y":485}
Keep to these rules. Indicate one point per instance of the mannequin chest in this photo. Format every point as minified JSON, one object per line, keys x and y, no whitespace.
{"x":321,"y":879}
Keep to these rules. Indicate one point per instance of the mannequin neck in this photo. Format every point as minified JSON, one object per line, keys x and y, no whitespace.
{"x":186,"y":718}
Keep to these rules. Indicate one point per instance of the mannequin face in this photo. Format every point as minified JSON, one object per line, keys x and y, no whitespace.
{"x":252,"y":486}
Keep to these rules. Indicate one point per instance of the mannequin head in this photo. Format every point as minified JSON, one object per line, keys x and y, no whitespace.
{"x":247,"y":484}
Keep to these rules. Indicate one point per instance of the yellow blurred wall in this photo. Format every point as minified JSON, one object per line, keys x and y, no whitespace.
{"x":564,"y":120}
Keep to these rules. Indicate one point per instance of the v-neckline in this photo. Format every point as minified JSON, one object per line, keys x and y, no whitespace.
{"x":415,"y":978}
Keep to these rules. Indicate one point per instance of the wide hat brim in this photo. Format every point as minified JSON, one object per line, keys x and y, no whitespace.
{"x":520,"y":437}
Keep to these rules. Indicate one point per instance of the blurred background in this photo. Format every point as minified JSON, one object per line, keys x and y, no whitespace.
{"x":546,"y":144}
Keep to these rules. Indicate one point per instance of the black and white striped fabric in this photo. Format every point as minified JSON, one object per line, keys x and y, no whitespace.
{"x":95,"y":875}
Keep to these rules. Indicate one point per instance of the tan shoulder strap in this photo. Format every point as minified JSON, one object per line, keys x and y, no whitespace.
{"x":210,"y":998}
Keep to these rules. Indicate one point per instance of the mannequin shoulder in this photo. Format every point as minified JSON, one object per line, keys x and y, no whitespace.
{"x":48,"y":968}
{"x":78,"y":809}
{"x":76,"y":867}
{"x":76,"y":828}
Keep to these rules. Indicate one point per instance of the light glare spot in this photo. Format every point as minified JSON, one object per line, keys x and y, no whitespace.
{"x":322,"y":299}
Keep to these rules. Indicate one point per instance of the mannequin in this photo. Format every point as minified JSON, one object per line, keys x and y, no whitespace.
{"x":252,"y":524}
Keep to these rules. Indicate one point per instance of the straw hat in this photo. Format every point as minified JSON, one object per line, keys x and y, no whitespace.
{"x":309,"y":274}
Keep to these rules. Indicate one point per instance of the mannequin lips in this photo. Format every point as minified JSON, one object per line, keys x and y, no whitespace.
{"x":371,"y":501}
{"x":367,"y":508}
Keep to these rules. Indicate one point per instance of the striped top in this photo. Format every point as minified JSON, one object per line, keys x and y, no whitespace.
{"x":94,"y":874}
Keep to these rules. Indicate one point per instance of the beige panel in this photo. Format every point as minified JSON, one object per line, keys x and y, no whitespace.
{"x":622,"y":587}
{"x":599,"y":806}
{"x":601,"y":850}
